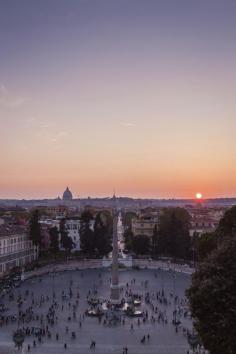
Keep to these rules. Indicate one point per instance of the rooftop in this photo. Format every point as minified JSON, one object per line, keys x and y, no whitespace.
{"x":9,"y":230}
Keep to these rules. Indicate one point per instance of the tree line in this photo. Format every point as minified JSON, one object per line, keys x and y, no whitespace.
{"x":96,"y":240}
{"x":170,"y":237}
{"x":212,"y":294}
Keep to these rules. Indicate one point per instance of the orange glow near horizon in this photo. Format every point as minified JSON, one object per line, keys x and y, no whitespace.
{"x":101,"y":104}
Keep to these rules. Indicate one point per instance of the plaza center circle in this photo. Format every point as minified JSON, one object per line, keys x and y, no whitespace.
{"x":161,"y":336}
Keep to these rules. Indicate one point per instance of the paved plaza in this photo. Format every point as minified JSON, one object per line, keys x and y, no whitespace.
{"x":70,"y":309}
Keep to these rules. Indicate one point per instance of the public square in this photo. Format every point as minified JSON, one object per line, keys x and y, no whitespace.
{"x":69,"y":306}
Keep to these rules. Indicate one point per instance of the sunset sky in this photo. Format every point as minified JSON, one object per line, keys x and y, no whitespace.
{"x":136,"y":95}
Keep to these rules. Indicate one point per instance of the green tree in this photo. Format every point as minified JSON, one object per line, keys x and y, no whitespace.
{"x":107,"y":219}
{"x":227,"y":225}
{"x":87,"y":240}
{"x":102,"y":236}
{"x":213,"y":301}
{"x":54,"y":239}
{"x":208,"y":242}
{"x":155,"y":241}
{"x":128,"y":238}
{"x":173,"y":229}
{"x":66,"y":241}
{"x":141,"y":244}
{"x":205,"y":244}
{"x":34,"y":228}
{"x":127,"y":219}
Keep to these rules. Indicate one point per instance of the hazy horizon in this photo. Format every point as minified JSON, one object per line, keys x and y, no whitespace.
{"x":134,"y":95}
{"x":92,"y":196}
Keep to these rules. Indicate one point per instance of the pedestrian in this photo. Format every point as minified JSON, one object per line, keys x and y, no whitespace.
{"x":143,"y":339}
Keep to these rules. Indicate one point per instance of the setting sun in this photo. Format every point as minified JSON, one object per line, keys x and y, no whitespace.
{"x":199,"y":195}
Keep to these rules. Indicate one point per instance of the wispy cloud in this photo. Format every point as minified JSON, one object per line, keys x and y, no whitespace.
{"x":3,"y":89}
{"x":10,"y":100}
{"x":30,"y":119}
{"x":62,"y":133}
{"x":58,"y":136}
{"x":127,"y":124}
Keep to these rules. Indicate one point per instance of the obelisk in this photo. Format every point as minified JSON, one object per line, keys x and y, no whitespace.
{"x":115,"y":291}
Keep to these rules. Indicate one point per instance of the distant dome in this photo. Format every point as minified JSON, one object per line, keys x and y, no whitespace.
{"x":67,"y":195}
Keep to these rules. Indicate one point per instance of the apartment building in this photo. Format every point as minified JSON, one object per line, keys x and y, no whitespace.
{"x":16,"y":249}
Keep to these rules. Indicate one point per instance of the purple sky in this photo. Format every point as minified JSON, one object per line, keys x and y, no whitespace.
{"x":128,"y":94}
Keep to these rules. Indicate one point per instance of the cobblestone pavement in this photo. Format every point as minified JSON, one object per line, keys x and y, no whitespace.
{"x":109,"y":338}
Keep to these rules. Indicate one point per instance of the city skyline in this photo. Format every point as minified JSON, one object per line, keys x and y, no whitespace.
{"x":132,"y":95}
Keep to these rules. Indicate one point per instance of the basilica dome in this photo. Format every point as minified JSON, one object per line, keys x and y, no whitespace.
{"x":67,"y":195}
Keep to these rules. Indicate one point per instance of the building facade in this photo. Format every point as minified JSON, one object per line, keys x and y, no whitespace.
{"x":72,"y":226}
{"x":16,"y":249}
{"x":204,"y":220}
{"x":144,"y":226}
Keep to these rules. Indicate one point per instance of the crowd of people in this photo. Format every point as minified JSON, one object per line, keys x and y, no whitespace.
{"x":38,"y":314}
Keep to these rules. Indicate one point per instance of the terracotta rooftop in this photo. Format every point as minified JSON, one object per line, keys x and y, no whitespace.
{"x":8,"y":230}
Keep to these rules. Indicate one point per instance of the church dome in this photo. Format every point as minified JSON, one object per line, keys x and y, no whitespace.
{"x":67,"y":195}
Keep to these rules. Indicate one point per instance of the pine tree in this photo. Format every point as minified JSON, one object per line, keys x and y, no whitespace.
{"x":155,"y":241}
{"x":66,"y":241}
{"x":213,"y":301}
{"x":102,"y":237}
{"x":54,"y":239}
{"x":173,"y":229}
{"x":34,"y":228}
{"x":86,"y":234}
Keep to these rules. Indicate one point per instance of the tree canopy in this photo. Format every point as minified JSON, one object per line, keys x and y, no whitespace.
{"x":54,"y":239}
{"x":96,"y":241}
{"x":173,"y":230}
{"x":227,"y":225}
{"x":208,"y":242}
{"x":66,"y":241}
{"x":127,"y":219}
{"x":213,"y":301}
{"x":205,"y":244}
{"x":34,"y":228}
{"x":86,"y":234}
{"x":155,"y":241}
{"x":141,"y":244}
{"x":102,"y":236}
